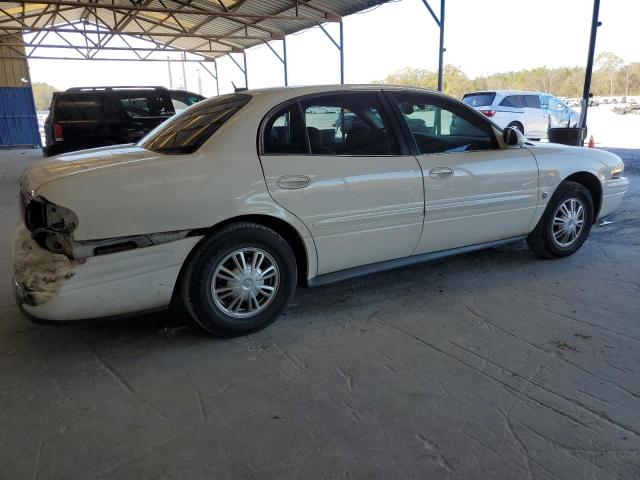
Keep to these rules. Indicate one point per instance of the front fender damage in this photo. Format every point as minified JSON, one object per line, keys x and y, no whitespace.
{"x":38,"y":274}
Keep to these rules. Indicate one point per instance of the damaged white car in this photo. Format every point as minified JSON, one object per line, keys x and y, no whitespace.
{"x":224,"y":209}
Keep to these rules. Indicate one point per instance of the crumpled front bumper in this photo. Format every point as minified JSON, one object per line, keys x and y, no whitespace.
{"x":51,"y":287}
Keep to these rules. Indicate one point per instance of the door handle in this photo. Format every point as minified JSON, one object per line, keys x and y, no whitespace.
{"x":441,"y":172}
{"x":292,"y":182}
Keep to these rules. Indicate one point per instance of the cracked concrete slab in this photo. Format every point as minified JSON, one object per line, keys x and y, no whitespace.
{"x":492,"y":365}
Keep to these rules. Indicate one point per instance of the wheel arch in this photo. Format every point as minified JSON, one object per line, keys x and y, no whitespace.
{"x":590,"y":182}
{"x":291,"y":235}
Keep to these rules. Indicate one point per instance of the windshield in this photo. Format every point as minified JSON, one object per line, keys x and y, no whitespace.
{"x":479,"y":99}
{"x":187,"y":131}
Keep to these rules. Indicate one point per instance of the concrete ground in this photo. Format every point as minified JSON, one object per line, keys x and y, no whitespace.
{"x":492,"y":365}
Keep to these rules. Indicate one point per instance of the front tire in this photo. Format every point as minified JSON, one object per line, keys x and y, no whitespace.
{"x":239,"y":280}
{"x":565,"y":224}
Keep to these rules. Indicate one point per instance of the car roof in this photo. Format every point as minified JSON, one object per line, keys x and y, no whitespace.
{"x":296,"y":91}
{"x":508,"y":92}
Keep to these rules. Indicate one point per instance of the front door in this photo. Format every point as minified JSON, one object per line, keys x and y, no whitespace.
{"x":334,"y":161}
{"x":536,"y":118}
{"x":475,"y":192}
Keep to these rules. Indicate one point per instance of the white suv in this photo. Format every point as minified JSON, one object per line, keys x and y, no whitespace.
{"x":530,"y":112}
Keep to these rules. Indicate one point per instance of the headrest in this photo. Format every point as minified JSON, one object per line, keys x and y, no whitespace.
{"x":315,"y":137}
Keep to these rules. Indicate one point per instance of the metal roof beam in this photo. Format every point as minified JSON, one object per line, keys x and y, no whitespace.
{"x":16,"y":57}
{"x":192,"y":11}
{"x":134,"y":33}
{"x":119,"y":49}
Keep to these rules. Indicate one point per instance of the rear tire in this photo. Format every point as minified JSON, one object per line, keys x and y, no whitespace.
{"x":239,"y":280}
{"x":516,"y":125}
{"x":565,"y":224}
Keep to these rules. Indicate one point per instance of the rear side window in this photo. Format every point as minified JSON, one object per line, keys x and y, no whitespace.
{"x":532,"y":101}
{"x":186,"y":132}
{"x":284,"y":132}
{"x":351,"y":124}
{"x":515,"y":101}
{"x":479,"y":99}
{"x":348,"y":124}
{"x":79,"y":107}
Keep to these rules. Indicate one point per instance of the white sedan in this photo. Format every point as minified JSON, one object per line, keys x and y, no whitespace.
{"x":224,"y":209}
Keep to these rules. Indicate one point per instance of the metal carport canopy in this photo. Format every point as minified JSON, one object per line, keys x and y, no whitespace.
{"x":202,"y":29}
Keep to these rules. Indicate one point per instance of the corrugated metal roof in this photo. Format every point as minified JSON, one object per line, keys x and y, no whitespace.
{"x":212,"y":27}
{"x":12,"y":70}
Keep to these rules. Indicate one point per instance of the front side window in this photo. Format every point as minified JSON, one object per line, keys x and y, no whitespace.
{"x":187,"y":131}
{"x":439,"y":126}
{"x":348,"y":124}
{"x":556,"y":104}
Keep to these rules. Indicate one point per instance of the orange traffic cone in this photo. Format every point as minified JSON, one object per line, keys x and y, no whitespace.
{"x":591,"y":144}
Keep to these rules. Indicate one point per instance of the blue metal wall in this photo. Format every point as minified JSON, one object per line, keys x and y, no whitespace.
{"x":18,"y":121}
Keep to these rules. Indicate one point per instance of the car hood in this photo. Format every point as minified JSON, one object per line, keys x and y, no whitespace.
{"x":47,"y":170}
{"x":606,"y":158}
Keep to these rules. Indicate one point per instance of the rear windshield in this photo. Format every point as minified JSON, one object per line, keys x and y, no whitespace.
{"x":187,"y":131}
{"x":479,"y":99}
{"x":79,"y":107}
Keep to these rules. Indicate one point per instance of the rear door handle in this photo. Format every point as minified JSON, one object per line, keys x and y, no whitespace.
{"x":441,"y":172}
{"x":292,"y":182}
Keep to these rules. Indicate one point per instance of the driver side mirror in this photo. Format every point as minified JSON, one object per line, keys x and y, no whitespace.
{"x":513,"y":137}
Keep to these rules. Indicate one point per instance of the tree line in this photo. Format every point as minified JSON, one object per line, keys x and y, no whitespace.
{"x":611,"y":77}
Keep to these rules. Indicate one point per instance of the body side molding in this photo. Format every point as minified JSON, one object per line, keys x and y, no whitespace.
{"x":340,"y":275}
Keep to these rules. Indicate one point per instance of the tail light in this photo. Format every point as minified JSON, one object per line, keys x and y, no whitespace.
{"x":488,"y":113}
{"x":57,"y":132}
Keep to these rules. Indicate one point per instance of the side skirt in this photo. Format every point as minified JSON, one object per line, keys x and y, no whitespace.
{"x":333,"y":277}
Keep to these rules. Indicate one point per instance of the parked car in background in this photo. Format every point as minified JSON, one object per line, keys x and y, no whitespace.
{"x":88,"y":117}
{"x":530,"y":112}
{"x":225,"y":208}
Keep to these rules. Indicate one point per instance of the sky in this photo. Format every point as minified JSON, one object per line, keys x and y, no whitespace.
{"x":481,"y":37}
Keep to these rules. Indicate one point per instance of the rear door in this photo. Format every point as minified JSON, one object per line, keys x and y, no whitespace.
{"x":475,"y":192}
{"x":358,"y":192}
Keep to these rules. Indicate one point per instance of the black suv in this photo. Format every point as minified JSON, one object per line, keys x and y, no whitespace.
{"x":91,"y":117}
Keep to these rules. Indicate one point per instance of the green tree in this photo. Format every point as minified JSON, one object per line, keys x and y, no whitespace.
{"x":42,"y":93}
{"x":611,"y":76}
{"x":629,"y":77}
{"x":608,"y":64}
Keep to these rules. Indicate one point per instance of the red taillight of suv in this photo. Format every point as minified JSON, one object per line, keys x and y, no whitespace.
{"x":57,"y":132}
{"x":488,"y":113}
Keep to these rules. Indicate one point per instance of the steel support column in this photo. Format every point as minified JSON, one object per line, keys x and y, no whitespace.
{"x":441,"y":49}
{"x":284,"y":63}
{"x":214,"y":75}
{"x":589,"y":70}
{"x":243,"y":68}
{"x":283,"y":58}
{"x":339,"y":46}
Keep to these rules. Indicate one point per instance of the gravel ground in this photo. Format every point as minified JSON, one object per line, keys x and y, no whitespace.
{"x":630,"y":157}
{"x":491,"y":365}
